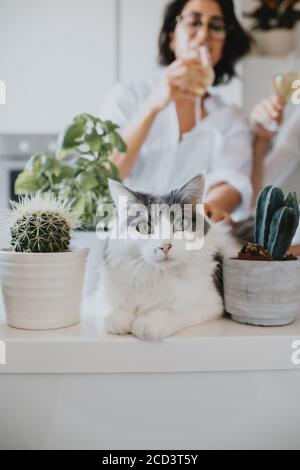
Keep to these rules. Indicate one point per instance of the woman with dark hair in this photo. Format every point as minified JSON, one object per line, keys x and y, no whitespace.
{"x":166,"y":146}
{"x":237,"y":43}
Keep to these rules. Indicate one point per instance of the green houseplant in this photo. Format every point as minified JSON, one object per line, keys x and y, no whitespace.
{"x":262,"y":287}
{"x":42,"y":274}
{"x":272,"y":14}
{"x":273,"y":23}
{"x":78,"y":172}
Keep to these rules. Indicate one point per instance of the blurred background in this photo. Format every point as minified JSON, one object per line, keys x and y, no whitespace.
{"x":59,"y":58}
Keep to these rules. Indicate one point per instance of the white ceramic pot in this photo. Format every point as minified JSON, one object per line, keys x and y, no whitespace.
{"x":96,"y":248}
{"x":276,"y":42}
{"x":42,"y":290}
{"x":265,"y":293}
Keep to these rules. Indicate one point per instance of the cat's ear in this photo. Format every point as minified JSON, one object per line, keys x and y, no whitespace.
{"x":192,"y":192}
{"x":118,"y":190}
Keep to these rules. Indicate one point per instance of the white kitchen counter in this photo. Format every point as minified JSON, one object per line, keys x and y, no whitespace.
{"x":218,"y":386}
{"x":86,"y":348}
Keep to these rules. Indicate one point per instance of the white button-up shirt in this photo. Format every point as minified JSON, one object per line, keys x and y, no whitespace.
{"x":220,"y":145}
{"x":284,"y":159}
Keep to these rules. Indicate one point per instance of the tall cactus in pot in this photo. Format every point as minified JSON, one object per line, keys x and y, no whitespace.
{"x":276,"y":222}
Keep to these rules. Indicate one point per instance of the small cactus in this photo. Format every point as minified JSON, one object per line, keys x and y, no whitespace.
{"x":291,"y":201}
{"x":40,"y":224}
{"x":276,"y":222}
{"x":282,"y":232}
{"x":270,"y":200}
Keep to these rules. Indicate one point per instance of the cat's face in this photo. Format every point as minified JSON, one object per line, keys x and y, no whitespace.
{"x":161,"y":230}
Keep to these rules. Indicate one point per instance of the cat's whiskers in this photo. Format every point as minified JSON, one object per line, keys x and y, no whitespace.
{"x":132,"y":270}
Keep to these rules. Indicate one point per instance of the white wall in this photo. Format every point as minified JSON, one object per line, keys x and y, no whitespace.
{"x":57,"y":58}
{"x":140,"y":25}
{"x":242,"y":6}
{"x":61,"y":57}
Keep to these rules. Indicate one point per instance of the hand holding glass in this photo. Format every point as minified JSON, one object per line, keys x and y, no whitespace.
{"x":283,"y":84}
{"x":283,"y":88}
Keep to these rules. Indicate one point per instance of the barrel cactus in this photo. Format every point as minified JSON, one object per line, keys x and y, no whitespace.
{"x":40,"y":224}
{"x":276,"y":222}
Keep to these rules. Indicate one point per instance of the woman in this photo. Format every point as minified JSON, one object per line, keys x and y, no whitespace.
{"x":157,"y":117}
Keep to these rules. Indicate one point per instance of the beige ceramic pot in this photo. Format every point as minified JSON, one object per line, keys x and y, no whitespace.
{"x":42,"y":290}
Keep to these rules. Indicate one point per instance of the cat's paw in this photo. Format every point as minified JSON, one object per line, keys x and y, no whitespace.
{"x":119,"y":322}
{"x":153,"y":327}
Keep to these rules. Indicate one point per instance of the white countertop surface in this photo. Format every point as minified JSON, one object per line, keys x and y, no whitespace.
{"x":86,"y":348}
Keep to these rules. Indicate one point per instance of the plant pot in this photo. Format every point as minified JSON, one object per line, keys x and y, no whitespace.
{"x":42,"y":291}
{"x":276,"y":42}
{"x":96,"y":248}
{"x":265,"y":293}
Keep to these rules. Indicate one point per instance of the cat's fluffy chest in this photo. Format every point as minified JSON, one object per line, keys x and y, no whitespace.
{"x":180,"y":288}
{"x":178,"y":291}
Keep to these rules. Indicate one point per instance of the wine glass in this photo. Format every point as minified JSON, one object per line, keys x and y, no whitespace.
{"x":208,"y":79}
{"x":283,"y":84}
{"x":283,"y":87}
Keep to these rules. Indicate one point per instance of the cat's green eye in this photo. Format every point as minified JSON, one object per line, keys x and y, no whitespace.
{"x":181,"y":224}
{"x":145,"y":228}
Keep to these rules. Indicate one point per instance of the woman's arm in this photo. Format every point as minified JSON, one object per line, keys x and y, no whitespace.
{"x":221,"y":200}
{"x":294,"y":250}
{"x":261,"y":148}
{"x":179,"y":79}
{"x":267,"y":111}
{"x":134,"y":135}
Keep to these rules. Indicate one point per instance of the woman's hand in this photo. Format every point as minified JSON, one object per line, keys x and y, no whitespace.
{"x":216,"y":214}
{"x":268,"y":111}
{"x":182,"y":80}
{"x":294,"y":250}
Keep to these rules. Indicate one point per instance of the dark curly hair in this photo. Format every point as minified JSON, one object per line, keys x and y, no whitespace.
{"x":237,"y":43}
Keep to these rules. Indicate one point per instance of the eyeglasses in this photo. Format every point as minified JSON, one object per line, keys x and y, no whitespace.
{"x":192,"y":23}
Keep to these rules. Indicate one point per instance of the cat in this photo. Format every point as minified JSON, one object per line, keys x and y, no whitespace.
{"x":156,"y":287}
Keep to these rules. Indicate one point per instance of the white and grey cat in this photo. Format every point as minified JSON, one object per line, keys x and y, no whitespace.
{"x":156,"y":287}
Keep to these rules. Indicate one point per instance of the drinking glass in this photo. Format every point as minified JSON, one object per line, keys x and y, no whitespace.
{"x":283,"y":87}
{"x":208,"y":79}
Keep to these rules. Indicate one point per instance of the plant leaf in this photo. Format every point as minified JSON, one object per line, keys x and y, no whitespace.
{"x":71,"y":138}
{"x":87,"y":181}
{"x":118,"y":142}
{"x":29,"y":182}
{"x":78,"y":207}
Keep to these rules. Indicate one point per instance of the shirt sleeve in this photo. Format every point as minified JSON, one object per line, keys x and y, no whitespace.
{"x":284,"y":158}
{"x":232,"y":164}
{"x":119,"y":106}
